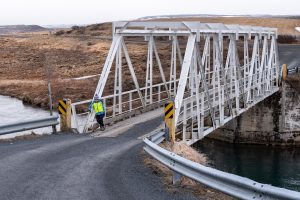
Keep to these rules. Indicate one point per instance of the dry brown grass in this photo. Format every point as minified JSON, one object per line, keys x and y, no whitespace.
{"x":186,"y":151}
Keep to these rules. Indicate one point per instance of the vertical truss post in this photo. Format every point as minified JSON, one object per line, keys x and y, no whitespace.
{"x":235,"y":74}
{"x":178,"y":50}
{"x":173,"y":66}
{"x":207,"y":63}
{"x":213,"y":70}
{"x":269,"y":67}
{"x":217,"y":69}
{"x":246,"y":61}
{"x":257,"y":64}
{"x":192,"y":88}
{"x":118,"y":84}
{"x":197,"y":86}
{"x":149,"y":73}
{"x":276,"y":65}
{"x":184,"y":122}
{"x":250,"y":77}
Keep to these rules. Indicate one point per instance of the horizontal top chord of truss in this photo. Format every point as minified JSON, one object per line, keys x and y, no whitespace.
{"x":184,"y":28}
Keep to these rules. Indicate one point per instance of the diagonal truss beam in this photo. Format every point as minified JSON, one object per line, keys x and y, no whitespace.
{"x":184,"y":74}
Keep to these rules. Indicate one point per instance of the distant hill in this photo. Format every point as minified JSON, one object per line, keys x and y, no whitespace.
{"x":10,"y":29}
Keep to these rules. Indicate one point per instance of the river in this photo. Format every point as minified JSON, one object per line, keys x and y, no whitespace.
{"x":277,"y":166}
{"x":13,"y":110}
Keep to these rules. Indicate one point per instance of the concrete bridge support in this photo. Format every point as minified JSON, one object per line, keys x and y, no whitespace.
{"x":275,"y":120}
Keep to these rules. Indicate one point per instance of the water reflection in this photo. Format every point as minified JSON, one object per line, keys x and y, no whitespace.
{"x":271,"y":165}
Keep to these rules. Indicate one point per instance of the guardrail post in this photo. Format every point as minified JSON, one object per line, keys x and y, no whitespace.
{"x":64,"y":109}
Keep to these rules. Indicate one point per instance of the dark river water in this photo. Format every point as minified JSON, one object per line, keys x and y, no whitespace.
{"x":270,"y":165}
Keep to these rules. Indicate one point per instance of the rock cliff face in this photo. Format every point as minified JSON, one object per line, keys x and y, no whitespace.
{"x":274,"y":121}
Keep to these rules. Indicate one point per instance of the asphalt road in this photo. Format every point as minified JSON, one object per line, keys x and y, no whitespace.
{"x":289,"y":54}
{"x":81,"y":167}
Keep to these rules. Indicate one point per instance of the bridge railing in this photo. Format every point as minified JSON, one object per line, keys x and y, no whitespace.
{"x":129,"y":106}
{"x":233,"y":185}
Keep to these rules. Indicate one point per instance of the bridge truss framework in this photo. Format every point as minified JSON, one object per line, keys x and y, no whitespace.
{"x":224,"y":71}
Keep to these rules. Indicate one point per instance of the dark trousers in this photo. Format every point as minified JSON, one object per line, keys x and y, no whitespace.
{"x":99,"y":119}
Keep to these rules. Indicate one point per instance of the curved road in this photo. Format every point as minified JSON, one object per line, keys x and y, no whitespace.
{"x":73,"y":166}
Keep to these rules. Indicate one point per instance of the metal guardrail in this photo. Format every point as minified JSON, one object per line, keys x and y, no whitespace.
{"x":28,"y":125}
{"x":230,"y":184}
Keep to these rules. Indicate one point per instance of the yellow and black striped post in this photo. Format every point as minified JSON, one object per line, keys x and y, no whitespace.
{"x":62,"y":107}
{"x":169,"y":119}
{"x":64,"y":110}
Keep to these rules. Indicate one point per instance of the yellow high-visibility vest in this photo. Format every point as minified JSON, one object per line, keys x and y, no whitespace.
{"x":98,"y":107}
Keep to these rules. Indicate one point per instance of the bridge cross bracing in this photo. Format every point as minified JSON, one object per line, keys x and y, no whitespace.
{"x":215,"y":72}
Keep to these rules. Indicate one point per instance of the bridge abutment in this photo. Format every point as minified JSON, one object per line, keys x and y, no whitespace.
{"x":274,"y":121}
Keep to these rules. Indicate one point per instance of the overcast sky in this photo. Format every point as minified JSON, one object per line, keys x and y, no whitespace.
{"x":46,"y":12}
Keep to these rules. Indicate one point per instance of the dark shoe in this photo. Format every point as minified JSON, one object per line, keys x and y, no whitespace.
{"x":102,"y":128}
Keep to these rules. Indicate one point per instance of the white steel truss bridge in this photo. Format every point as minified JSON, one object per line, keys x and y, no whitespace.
{"x":213,"y":73}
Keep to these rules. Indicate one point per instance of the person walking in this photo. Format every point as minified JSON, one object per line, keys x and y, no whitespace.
{"x":99,"y":109}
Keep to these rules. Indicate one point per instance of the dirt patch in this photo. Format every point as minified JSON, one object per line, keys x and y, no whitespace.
{"x":186,"y":184}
